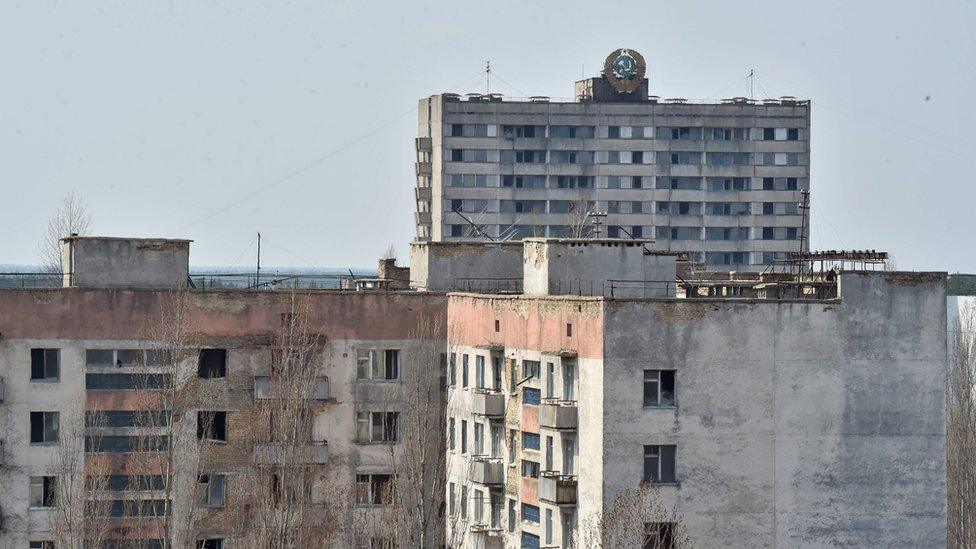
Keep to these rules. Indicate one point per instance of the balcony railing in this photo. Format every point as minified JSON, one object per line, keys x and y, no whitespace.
{"x":558,"y":414}
{"x":424,"y":144}
{"x":316,"y":453}
{"x":488,"y":403}
{"x":485,"y":470}
{"x":558,"y":489}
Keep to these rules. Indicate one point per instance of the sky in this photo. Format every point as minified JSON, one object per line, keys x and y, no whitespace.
{"x":215,"y":120}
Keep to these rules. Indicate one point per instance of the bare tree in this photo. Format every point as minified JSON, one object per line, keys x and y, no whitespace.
{"x":635,"y":518}
{"x":287,"y":470}
{"x":390,"y":252}
{"x":580,"y":217}
{"x":81,"y":517}
{"x":419,"y":460}
{"x":961,"y":431}
{"x":72,"y":217}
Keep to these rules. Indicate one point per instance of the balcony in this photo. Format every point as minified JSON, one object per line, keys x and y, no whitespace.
{"x":424,"y":144}
{"x":488,"y":403}
{"x":422,"y":218}
{"x":558,"y":489}
{"x":558,"y":414}
{"x":422,"y":193}
{"x":279,"y":453}
{"x":424,"y":168}
{"x":488,"y":471}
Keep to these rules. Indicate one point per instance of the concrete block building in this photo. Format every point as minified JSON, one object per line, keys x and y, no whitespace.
{"x":763,"y":421}
{"x":722,"y":181}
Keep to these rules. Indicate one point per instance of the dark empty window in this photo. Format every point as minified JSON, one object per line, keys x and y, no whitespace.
{"x":45,"y":364}
{"x":769,"y":134}
{"x":391,"y":364}
{"x":210,"y":490}
{"x":658,"y":535}
{"x":125,"y":381}
{"x":793,"y":134}
{"x":213,"y":363}
{"x":531,"y":396}
{"x":218,"y":543}
{"x":659,"y":464}
{"x":659,"y":388}
{"x":374,"y":489}
{"x":457,"y":130}
{"x":613,"y":132}
{"x":41,"y":545}
{"x":457,"y":155}
{"x":212,"y":426}
{"x":120,"y":444}
{"x":44,"y":427}
{"x":637,"y":157}
{"x":791,"y":183}
{"x":769,"y":184}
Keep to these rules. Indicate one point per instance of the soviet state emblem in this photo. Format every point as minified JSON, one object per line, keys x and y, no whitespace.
{"x":624,"y":69}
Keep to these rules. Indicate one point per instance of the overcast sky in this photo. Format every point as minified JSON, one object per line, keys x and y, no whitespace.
{"x":172,"y":118}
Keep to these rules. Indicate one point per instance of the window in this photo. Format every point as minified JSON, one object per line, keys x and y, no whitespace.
{"x":512,"y":434}
{"x":44,"y":427}
{"x":450,"y":433}
{"x":479,"y":506}
{"x":45,"y":364}
{"x":511,"y":515}
{"x":377,"y":427}
{"x":769,"y":134}
{"x":130,"y":483}
{"x":374,"y":364}
{"x":453,"y":366}
{"x":42,"y":491}
{"x":530,"y":368}
{"x":658,"y":388}
{"x":210,"y":490}
{"x":658,"y":535}
{"x":550,"y":379}
{"x":451,"y":503}
{"x":211,"y":543}
{"x":531,"y":396}
{"x":613,"y":132}
{"x":479,"y":439}
{"x":464,"y":502}
{"x":548,"y":529}
{"x":792,"y":134}
{"x":375,"y":489}
{"x":464,"y":371}
{"x":41,"y":545}
{"x":119,"y":444}
{"x":126,"y":418}
{"x":530,"y":541}
{"x":464,"y":436}
{"x":212,"y":364}
{"x":530,"y":513}
{"x":530,"y":441}
{"x":659,"y":464}
{"x":212,"y":426}
{"x":126,"y":381}
{"x":479,"y":371}
{"x":530,"y":469}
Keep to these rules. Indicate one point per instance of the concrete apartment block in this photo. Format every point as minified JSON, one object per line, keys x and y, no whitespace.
{"x":789,"y":422}
{"x":75,"y":350}
{"x":722,"y":181}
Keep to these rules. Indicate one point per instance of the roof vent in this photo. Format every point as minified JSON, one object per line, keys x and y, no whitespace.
{"x":539,"y":99}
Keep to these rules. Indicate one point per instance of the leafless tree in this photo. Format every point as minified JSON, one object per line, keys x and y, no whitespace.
{"x":285,"y":477}
{"x":390,"y":252}
{"x":580,"y":217}
{"x":72,"y":217}
{"x":419,"y":460}
{"x":80,"y":517}
{"x":961,"y":431}
{"x":635,"y":518}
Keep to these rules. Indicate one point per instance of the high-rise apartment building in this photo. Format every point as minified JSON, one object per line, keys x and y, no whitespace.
{"x":754,"y":414}
{"x":721,"y":180}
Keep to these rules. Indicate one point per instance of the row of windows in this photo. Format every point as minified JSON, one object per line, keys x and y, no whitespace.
{"x":622,"y":207}
{"x":710,"y":234}
{"x":623,"y":132}
{"x":679,"y":158}
{"x":624,"y":182}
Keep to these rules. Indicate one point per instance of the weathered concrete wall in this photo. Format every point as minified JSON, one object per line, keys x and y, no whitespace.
{"x":798,"y":424}
{"x":596,"y":267}
{"x":451,"y":266}
{"x":104,"y":262}
{"x":74,"y":320}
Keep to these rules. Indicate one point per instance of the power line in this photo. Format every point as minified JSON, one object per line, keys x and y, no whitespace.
{"x":307,"y":167}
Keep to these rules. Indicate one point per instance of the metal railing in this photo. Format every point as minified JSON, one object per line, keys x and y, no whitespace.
{"x":488,"y":285}
{"x":284,"y":281}
{"x":31,"y":280}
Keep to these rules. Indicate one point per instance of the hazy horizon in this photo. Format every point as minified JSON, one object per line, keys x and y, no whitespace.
{"x":214,"y":121}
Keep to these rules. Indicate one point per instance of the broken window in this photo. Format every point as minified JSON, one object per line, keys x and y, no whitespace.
{"x":212,"y":426}
{"x":45,"y":364}
{"x":530,"y":368}
{"x":377,"y":427}
{"x":213,"y":363}
{"x":211,"y":490}
{"x":531,"y":396}
{"x":659,"y":388}
{"x":464,"y":436}
{"x":659,"y":464}
{"x":377,"y":489}
{"x":375,"y":364}
{"x":44,"y":427}
{"x":464,"y":370}
{"x":42,"y":491}
{"x":530,"y":469}
{"x":658,"y":535}
{"x":211,"y":543}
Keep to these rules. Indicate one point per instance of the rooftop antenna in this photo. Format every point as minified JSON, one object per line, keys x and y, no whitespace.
{"x":751,"y":79}
{"x":487,"y":77}
{"x":257,"y":274}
